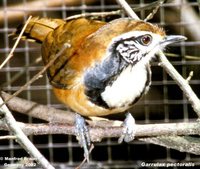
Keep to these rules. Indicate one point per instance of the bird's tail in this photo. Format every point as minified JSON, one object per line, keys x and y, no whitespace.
{"x":38,"y":28}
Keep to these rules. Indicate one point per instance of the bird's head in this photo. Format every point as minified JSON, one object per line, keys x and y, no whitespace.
{"x":141,"y":42}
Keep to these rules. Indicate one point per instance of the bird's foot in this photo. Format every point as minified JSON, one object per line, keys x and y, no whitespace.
{"x":82,"y":135}
{"x":129,"y":129}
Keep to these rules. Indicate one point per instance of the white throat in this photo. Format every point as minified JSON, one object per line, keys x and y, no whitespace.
{"x":128,"y":86}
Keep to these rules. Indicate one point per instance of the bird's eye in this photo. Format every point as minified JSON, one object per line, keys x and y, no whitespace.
{"x":146,"y":40}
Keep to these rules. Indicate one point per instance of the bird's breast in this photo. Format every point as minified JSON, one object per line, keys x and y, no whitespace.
{"x":113,"y":83}
{"x":128,"y":87}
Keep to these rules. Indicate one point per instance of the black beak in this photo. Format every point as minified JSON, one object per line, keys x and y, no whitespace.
{"x":172,"y":39}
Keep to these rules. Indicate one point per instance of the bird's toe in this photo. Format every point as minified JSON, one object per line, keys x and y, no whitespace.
{"x":129,"y":129}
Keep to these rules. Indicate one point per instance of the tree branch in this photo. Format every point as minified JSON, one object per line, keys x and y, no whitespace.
{"x":101,"y":129}
{"x":21,"y":138}
{"x":39,"y":111}
{"x":162,"y":134}
{"x":16,"y":43}
{"x":65,"y":46}
{"x":183,"y":84}
{"x":193,"y":99}
{"x":127,"y":9}
{"x":46,"y":113}
{"x":182,"y":144}
{"x":98,"y":130}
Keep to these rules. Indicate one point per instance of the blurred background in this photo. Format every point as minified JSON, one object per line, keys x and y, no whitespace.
{"x":165,"y":101}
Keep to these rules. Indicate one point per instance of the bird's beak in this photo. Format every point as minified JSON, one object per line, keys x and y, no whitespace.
{"x":170,"y":39}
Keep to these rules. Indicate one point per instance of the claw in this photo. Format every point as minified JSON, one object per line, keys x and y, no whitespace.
{"x":129,"y":129}
{"x":82,"y":135}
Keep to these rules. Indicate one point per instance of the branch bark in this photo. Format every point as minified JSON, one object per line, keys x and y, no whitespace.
{"x":183,"y":84}
{"x":99,"y":133}
{"x":167,"y":135}
{"x":106,"y":129}
{"x":21,"y":138}
{"x":39,"y":111}
{"x":61,"y":122}
{"x":182,"y":144}
{"x":49,"y":114}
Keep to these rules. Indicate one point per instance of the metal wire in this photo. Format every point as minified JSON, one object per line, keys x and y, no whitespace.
{"x":164,"y":103}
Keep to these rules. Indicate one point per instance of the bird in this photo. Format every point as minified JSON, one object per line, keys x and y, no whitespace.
{"x":105,"y":69}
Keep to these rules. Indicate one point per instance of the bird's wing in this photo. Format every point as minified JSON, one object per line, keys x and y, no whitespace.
{"x":64,"y":72}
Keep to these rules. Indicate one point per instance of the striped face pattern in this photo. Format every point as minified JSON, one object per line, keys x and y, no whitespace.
{"x":129,"y":49}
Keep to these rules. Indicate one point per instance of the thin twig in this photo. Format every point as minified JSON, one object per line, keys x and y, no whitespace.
{"x":151,"y":15}
{"x":183,"y":84}
{"x":117,"y":12}
{"x":187,"y":90}
{"x":193,"y":99}
{"x":150,"y":131}
{"x":190,"y":76}
{"x":21,"y":138}
{"x":107,"y":133}
{"x":21,"y":72}
{"x":65,"y":46}
{"x":92,"y":14}
{"x":8,"y":137}
{"x":128,"y":9}
{"x":16,"y":43}
{"x":85,"y":159}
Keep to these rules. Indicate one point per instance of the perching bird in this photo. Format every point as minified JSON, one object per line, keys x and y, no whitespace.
{"x":105,"y":69}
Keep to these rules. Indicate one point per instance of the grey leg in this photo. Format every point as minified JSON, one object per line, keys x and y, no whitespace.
{"x":129,"y":129}
{"x":82,"y":135}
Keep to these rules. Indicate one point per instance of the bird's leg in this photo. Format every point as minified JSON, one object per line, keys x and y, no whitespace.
{"x":129,"y":129}
{"x":82,"y":135}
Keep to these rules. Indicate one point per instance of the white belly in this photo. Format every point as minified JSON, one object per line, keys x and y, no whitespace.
{"x":127,"y":87}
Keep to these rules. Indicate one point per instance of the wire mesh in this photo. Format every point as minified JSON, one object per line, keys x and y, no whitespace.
{"x":165,"y":101}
